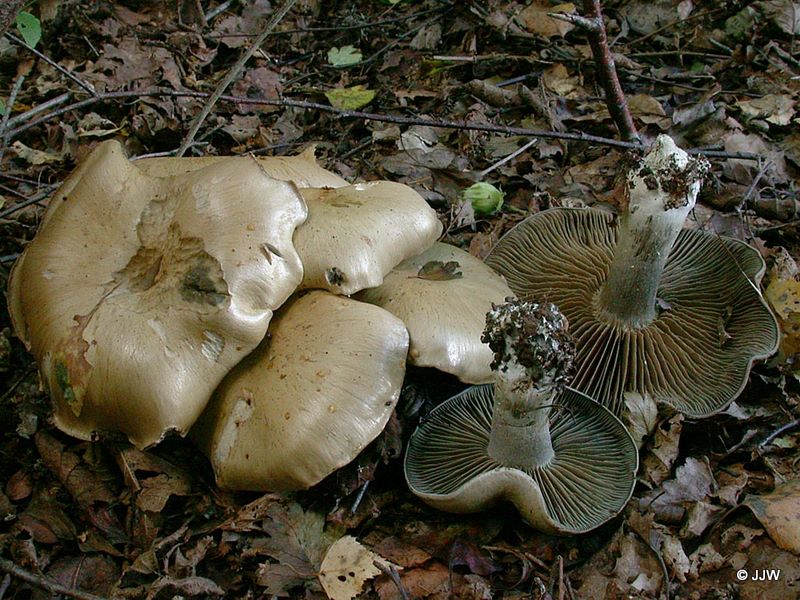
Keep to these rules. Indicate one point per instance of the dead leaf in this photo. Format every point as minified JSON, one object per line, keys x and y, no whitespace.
{"x":156,"y":491}
{"x":347,"y":566}
{"x":784,"y":297}
{"x":704,"y":560}
{"x":662,"y":450}
{"x":775,"y":109}
{"x":19,"y":486}
{"x":34,"y":157}
{"x":92,"y":573}
{"x":258,"y":84}
{"x":743,"y":171}
{"x":557,"y":80}
{"x":636,"y":566}
{"x":79,"y":480}
{"x":437,"y":270}
{"x":535,"y":19}
{"x":779,"y":513}
{"x":401,"y":552}
{"x":298,"y":541}
{"x":785,"y":14}
{"x":422,"y":582}
{"x":192,"y":587}
{"x":693,"y":482}
{"x":639,"y":413}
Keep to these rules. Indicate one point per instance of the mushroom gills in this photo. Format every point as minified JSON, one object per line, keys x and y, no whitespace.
{"x":696,"y":354}
{"x":587,"y":481}
{"x":657,"y":310}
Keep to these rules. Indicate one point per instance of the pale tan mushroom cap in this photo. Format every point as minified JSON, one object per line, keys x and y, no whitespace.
{"x":319,"y":388}
{"x":139,"y":294}
{"x":587,"y":482}
{"x":302,"y":170}
{"x":445,"y":314}
{"x":695,"y":356}
{"x":354,"y":235}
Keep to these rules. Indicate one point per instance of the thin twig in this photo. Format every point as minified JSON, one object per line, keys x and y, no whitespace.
{"x":217,"y":10}
{"x":4,"y":586}
{"x":394,"y":576}
{"x":63,"y":70}
{"x":671,"y":24}
{"x":779,"y":431}
{"x":354,"y":114}
{"x":752,"y":188}
{"x":337,"y":28}
{"x":607,"y":72}
{"x":44,"y":583}
{"x":232,"y":73}
{"x":12,"y":99}
{"x":39,"y":108}
{"x":32,"y":200}
{"x":503,"y":161}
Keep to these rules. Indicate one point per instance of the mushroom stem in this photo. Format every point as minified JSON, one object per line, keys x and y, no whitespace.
{"x":533,"y":358}
{"x":520,"y":435}
{"x":661,"y":191}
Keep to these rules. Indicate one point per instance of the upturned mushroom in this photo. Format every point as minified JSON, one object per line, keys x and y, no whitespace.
{"x":669,"y":313}
{"x":564,"y":461}
{"x":442,"y":295}
{"x":355,"y":235}
{"x":319,"y":388}
{"x":140,"y":293}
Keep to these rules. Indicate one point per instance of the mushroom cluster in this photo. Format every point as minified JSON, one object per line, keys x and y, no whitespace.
{"x":148,"y":295}
{"x":669,"y":313}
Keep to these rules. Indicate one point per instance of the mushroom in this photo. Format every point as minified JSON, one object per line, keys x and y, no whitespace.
{"x":354,"y":235}
{"x":302,"y":169}
{"x":657,"y":310}
{"x":139,"y":293}
{"x":442,"y":295}
{"x":564,"y":461}
{"x":320,"y":387}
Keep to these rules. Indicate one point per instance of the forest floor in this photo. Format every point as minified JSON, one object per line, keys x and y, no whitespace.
{"x":715,"y":496}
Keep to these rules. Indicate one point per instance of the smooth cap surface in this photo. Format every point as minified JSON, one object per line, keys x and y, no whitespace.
{"x":319,"y":388}
{"x":139,"y":294}
{"x":302,"y":170}
{"x":356,"y":234}
{"x":443,"y":296}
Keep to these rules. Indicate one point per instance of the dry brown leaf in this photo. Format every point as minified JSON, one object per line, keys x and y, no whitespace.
{"x":779,"y":513}
{"x":558,"y":80}
{"x":693,"y":482}
{"x":535,"y":19}
{"x":775,"y":109}
{"x":662,"y":450}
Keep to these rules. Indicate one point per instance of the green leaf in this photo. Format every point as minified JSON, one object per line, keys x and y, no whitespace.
{"x":2,"y":107}
{"x":350,"y":98}
{"x":29,"y":28}
{"x":437,"y":270}
{"x":344,"y":56}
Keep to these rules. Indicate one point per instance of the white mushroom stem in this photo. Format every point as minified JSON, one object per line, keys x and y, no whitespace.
{"x":520,"y":435}
{"x":533,"y":357}
{"x":662,"y":190}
